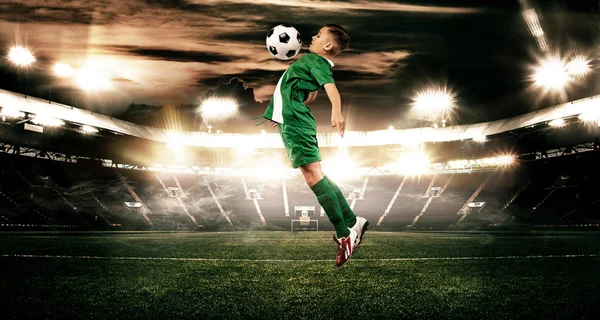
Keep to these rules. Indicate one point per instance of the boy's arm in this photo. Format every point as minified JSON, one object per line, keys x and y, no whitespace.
{"x":337,"y":119}
{"x":311,"y":97}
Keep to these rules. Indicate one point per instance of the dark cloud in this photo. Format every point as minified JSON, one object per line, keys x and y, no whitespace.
{"x":176,"y":55}
{"x":21,"y":13}
{"x":172,"y":52}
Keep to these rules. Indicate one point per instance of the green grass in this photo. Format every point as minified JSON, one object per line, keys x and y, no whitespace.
{"x":292,"y":276}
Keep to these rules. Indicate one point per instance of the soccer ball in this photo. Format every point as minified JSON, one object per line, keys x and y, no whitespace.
{"x":284,"y":42}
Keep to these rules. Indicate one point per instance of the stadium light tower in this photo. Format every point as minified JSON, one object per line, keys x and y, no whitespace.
{"x":21,"y":56}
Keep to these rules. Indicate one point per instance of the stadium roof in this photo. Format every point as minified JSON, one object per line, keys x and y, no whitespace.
{"x":36,"y":106}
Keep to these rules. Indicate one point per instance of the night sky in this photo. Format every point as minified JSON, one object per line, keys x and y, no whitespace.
{"x":168,"y":54}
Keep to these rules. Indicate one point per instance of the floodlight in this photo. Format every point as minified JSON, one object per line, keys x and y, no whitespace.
{"x":505,"y":160}
{"x":480,"y":138}
{"x":391,"y":128}
{"x":215,"y":109}
{"x":436,"y":102}
{"x":591,"y":116}
{"x":90,"y":79}
{"x":47,"y":121}
{"x":20,"y":56}
{"x":63,"y":70}
{"x":11,"y":113}
{"x":551,"y":73}
{"x":458,"y":164}
{"x":557,"y":123}
{"x":578,"y":66}
{"x":88,"y":129}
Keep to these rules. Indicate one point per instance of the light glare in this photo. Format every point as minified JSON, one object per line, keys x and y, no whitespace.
{"x":533,"y":23}
{"x":551,"y":73}
{"x":590,"y":116}
{"x":341,"y":167}
{"x":63,"y":70}
{"x":90,"y":79}
{"x":578,"y":66}
{"x":21,"y":56}
{"x":88,"y":129}
{"x":557,"y":122}
{"x":434,"y":102}
{"x":11,"y":113}
{"x":505,"y":160}
{"x":413,"y":164}
{"x":47,"y":121}
{"x":214,"y":109}
{"x":480,"y":138}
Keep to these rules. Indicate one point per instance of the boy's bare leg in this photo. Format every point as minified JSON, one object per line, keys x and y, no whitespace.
{"x":312,"y":173}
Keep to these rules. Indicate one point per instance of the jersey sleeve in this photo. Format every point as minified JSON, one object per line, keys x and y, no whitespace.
{"x":321,"y":72}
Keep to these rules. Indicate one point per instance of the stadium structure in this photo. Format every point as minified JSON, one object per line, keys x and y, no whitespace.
{"x":65,"y":168}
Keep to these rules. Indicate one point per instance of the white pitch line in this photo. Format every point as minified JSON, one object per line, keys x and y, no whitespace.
{"x":551,"y":256}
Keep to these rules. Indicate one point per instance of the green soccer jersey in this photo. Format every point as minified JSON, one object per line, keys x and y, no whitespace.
{"x":304,"y":76}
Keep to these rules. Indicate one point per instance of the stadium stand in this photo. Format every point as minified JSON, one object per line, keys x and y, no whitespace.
{"x":40,"y":193}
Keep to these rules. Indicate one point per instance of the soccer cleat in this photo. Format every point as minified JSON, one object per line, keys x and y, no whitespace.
{"x":345,"y":247}
{"x":360,"y":227}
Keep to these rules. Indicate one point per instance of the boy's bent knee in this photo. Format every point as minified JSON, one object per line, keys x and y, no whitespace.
{"x":312,"y":173}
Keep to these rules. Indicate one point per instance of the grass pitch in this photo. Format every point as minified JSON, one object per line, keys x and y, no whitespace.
{"x":282,"y":275}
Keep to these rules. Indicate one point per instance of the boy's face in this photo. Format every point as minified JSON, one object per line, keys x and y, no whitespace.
{"x":321,"y":42}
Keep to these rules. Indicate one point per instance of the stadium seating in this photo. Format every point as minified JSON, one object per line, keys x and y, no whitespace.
{"x":39,"y":193}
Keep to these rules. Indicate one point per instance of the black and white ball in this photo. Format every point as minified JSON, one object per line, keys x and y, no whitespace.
{"x":284,"y":42}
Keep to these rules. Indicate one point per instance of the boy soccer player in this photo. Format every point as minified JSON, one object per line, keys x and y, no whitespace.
{"x":288,"y":110}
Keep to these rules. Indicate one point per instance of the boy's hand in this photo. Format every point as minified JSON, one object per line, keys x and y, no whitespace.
{"x":337,"y":120}
{"x":273,"y":123}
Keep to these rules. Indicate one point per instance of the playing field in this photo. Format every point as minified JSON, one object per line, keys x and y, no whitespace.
{"x":274,"y":275}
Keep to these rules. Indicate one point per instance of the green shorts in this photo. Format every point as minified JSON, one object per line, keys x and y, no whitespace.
{"x":300,"y":143}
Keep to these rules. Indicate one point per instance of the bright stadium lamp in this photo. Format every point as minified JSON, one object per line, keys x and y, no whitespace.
{"x":88,"y":129}
{"x":505,"y":160}
{"x":20,"y":56}
{"x":63,"y":70}
{"x":218,"y":109}
{"x":578,"y":66}
{"x":557,"y":123}
{"x":590,"y":116}
{"x":11,"y":113}
{"x":551,"y":73}
{"x":480,"y":138}
{"x":47,"y":121}
{"x":90,"y":79}
{"x":434,"y":102}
